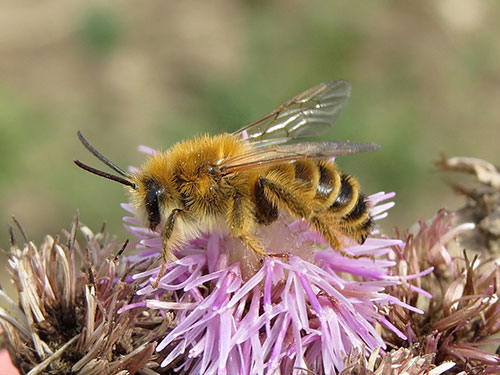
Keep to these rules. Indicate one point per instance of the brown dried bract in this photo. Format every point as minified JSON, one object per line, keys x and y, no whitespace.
{"x":483,"y":201}
{"x":67,"y":319}
{"x":461,"y":320}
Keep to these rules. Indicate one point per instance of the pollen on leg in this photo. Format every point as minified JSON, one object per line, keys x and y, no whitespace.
{"x":253,"y":244}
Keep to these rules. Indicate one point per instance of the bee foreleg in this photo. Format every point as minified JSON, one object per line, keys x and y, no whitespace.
{"x":166,"y":234}
{"x":240,"y":227}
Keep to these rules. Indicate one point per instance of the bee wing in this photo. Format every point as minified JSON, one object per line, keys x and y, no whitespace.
{"x":309,"y":114}
{"x":280,"y":154}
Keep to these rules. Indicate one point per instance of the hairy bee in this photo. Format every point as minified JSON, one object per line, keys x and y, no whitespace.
{"x":244,"y":179}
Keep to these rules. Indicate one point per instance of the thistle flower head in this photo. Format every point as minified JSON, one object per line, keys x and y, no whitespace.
{"x":221,"y":310}
{"x":237,"y":314}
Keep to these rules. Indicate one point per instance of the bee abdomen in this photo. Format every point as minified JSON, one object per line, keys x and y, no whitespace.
{"x":347,"y":197}
{"x":306,"y":174}
{"x":359,"y":222}
{"x":359,"y":212}
{"x":326,"y":184}
{"x":338,"y":195}
{"x":353,"y":209}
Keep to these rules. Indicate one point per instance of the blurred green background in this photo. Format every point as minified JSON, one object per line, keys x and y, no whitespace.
{"x":425,"y":76}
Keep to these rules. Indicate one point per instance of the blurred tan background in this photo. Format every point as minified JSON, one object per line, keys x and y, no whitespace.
{"x":425,"y":76}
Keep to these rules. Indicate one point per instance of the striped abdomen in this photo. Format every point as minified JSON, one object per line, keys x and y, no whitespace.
{"x":316,"y":191}
{"x":349,"y":204}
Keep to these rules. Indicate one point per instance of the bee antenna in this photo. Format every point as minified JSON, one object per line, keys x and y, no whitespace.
{"x":99,"y":156}
{"x":109,"y":176}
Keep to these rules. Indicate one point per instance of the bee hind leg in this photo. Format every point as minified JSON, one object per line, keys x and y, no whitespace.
{"x":284,"y":197}
{"x":239,"y":224}
{"x":253,"y":244}
{"x":326,"y":229}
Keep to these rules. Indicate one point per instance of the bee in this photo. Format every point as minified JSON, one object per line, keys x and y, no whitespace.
{"x":245,"y":179}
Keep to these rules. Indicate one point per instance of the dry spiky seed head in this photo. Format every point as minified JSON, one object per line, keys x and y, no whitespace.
{"x":67,"y":318}
{"x":482,"y":205}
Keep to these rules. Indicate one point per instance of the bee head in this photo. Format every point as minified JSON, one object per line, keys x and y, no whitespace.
{"x":153,"y":197}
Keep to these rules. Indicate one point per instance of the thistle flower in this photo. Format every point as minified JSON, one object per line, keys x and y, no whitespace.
{"x":283,"y":315}
{"x":219,"y":309}
{"x":66,"y":320}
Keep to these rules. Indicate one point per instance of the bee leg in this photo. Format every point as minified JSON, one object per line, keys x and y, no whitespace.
{"x":322,"y":225}
{"x":253,"y":244}
{"x":325,"y":230}
{"x":285,"y":198}
{"x":239,"y":226}
{"x":166,"y":234}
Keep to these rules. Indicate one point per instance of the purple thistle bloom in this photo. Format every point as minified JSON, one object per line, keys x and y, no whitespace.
{"x":237,"y":314}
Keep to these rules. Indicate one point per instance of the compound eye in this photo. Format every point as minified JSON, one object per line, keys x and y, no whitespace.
{"x":154,"y":194}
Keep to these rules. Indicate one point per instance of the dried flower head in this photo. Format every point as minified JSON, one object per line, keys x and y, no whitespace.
{"x":397,"y":362}
{"x":66,"y":319}
{"x":460,"y":323}
{"x":482,"y":206}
